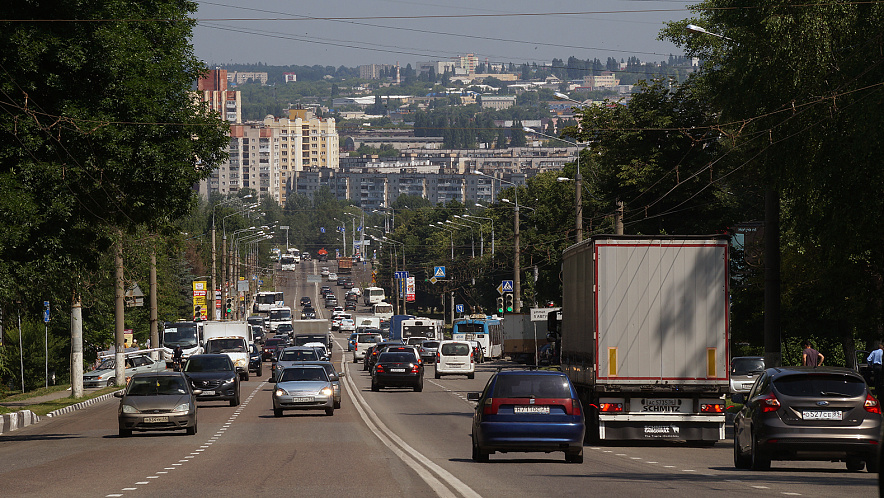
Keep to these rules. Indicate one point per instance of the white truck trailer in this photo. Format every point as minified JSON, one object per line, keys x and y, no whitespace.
{"x":645,"y":335}
{"x":233,"y":339}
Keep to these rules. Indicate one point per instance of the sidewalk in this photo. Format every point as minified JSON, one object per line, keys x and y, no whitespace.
{"x":38,"y":399}
{"x":22,"y":418}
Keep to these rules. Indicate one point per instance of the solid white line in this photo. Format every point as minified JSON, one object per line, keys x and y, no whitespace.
{"x":390,"y":439}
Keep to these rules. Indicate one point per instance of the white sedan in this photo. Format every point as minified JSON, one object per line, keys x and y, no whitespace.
{"x":332,"y":277}
{"x":347,"y":325}
{"x":324,"y":271}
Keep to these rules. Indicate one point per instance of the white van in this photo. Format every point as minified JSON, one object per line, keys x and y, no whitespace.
{"x":372,"y":296}
{"x":455,"y":358}
{"x":280,"y":314}
{"x":231,"y":338}
{"x":363,"y":342}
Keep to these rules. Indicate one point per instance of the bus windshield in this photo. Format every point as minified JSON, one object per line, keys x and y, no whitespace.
{"x":268,"y":298}
{"x":427,"y":331}
{"x":182,"y":334}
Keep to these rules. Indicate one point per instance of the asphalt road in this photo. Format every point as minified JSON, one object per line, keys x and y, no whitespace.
{"x":391,"y":443}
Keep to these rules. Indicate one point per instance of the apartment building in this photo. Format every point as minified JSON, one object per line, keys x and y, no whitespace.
{"x":213,"y":90}
{"x":498,"y":101}
{"x":606,"y":79}
{"x":240,"y":77}
{"x":264,"y":155}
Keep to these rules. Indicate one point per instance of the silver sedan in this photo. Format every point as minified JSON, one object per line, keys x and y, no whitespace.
{"x":303,"y":387}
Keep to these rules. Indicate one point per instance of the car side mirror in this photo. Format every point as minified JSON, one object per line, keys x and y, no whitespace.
{"x":119,"y":394}
{"x":473,"y":396}
{"x":341,"y":374}
{"x":738,"y":398}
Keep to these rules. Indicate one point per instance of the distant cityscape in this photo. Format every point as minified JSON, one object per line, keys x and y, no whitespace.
{"x":300,"y":152}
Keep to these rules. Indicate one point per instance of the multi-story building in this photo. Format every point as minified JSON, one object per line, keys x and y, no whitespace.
{"x":498,"y":101}
{"x":373,"y":71}
{"x":606,"y":79}
{"x":264,"y":155}
{"x":240,"y":77}
{"x":213,"y":90}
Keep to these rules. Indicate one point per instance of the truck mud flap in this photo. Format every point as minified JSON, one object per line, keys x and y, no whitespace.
{"x":654,"y":430}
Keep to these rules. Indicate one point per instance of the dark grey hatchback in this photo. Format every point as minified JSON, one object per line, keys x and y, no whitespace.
{"x":806,"y":413}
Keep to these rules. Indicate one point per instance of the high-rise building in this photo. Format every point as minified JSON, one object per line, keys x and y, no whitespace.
{"x":213,"y":90}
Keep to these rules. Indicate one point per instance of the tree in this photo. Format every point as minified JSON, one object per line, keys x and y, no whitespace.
{"x":100,"y":133}
{"x":799,"y":86}
{"x":517,"y":135}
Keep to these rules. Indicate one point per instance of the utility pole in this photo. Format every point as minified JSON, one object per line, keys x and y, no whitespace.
{"x":578,"y":196}
{"x":76,"y":346}
{"x":154,"y":325}
{"x":618,"y":218}
{"x":119,"y":317}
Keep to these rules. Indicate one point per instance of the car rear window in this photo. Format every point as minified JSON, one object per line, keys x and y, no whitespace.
{"x":430,"y":344}
{"x":527,"y":386}
{"x":816,"y":385}
{"x":746,"y":366}
{"x":368,"y":338}
{"x":455,"y":350}
{"x":396,"y":358}
{"x":298,"y":356}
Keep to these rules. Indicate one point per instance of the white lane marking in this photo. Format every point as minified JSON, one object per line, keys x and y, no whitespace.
{"x":688,"y":470}
{"x":787,"y":493}
{"x":651,"y":462}
{"x":759,"y":487}
{"x":635,"y":458}
{"x":416,"y":459}
{"x":142,"y":482}
{"x":152,"y":477}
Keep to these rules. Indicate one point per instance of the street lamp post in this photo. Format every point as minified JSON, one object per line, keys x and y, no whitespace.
{"x":472,"y":237}
{"x":578,"y":180}
{"x":517,"y":267}
{"x":450,"y":232}
{"x":773,"y":353}
{"x":481,"y":233}
{"x":492,"y":226}
{"x":214,"y":249}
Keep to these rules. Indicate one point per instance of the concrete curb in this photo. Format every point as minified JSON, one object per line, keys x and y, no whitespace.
{"x":23,"y":418}
{"x":17,"y":420}
{"x":82,"y":404}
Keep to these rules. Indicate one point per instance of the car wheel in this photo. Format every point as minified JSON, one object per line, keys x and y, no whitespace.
{"x":437,"y":375}
{"x":125,"y":432}
{"x":872,"y":464}
{"x":337,"y":404}
{"x":758,"y":461}
{"x":330,"y":411}
{"x":260,"y":370}
{"x":741,"y":461}
{"x":471,"y":376}
{"x":574,"y":456}
{"x":855,"y":464}
{"x":375,"y":387}
{"x":277,"y":412}
{"x":419,"y":387}
{"x":191,"y":430}
{"x":235,"y":400}
{"x":478,"y":454}
{"x":365,"y":367}
{"x":111,"y":381}
{"x":245,"y":376}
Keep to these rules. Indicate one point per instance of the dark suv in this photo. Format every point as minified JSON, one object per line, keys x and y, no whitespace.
{"x":807,"y":413}
{"x":215,"y":376}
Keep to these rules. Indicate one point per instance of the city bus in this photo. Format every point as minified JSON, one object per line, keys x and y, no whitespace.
{"x":421,"y":327}
{"x":266,"y":300}
{"x":488,"y":332}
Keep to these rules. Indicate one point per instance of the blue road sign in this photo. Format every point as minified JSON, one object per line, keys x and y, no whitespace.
{"x":507,"y":285}
{"x":439,"y":271}
{"x":321,"y":229}
{"x":401,"y":274}
{"x":458,"y":308}
{"x":46,"y":316}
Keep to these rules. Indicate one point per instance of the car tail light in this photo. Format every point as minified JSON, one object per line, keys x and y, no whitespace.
{"x":610,"y":407}
{"x":872,"y":405}
{"x":379,"y":368}
{"x":712,"y":408}
{"x":574,"y":408}
{"x":471,"y":357}
{"x":415,"y":369}
{"x":490,"y":407}
{"x":769,"y":403}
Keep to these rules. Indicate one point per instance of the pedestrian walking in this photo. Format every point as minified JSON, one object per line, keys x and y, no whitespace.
{"x":811,"y":357}
{"x":874,"y":361}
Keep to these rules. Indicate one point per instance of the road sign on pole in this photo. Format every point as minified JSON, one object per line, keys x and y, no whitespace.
{"x":439,"y":271}
{"x":458,"y":308}
{"x":507,"y":285}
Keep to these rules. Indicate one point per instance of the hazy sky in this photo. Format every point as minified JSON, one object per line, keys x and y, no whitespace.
{"x":354,"y":32}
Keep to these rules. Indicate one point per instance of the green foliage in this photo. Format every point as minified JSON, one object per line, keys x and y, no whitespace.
{"x":385,"y":150}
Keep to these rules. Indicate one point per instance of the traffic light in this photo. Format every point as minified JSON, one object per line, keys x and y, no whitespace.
{"x":229,"y":305}
{"x":509,"y":302}
{"x":500,"y":304}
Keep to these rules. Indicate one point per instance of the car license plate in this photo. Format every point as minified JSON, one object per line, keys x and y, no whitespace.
{"x":155,"y":420}
{"x":533,"y":409}
{"x":397,"y":370}
{"x":208,"y":393}
{"x":821,"y":415}
{"x":302,"y":399}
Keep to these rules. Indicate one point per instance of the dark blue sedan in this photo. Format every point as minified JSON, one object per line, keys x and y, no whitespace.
{"x":528,"y":411}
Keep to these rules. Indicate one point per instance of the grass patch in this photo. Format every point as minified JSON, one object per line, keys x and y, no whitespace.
{"x":42,"y":409}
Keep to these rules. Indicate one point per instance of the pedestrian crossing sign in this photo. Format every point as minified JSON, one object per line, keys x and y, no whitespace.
{"x":439,"y":271}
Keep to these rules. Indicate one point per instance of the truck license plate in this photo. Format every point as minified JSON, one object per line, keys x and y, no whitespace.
{"x":155,"y":420}
{"x":821,"y":415}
